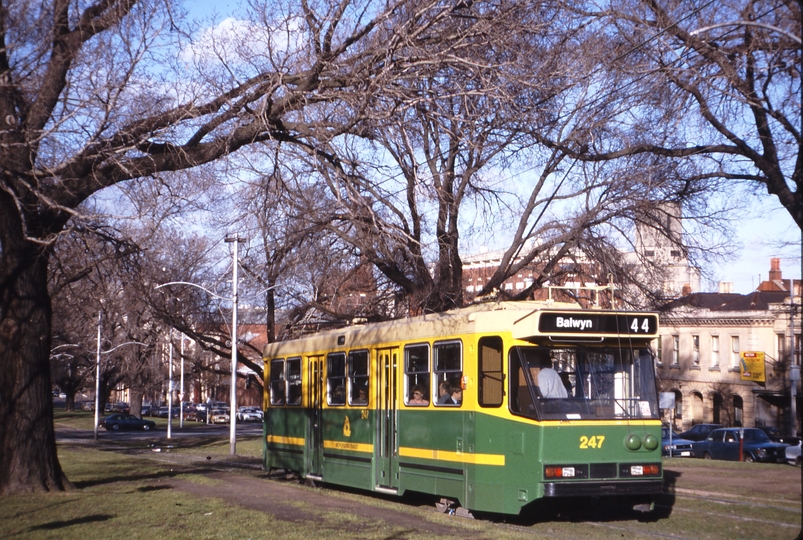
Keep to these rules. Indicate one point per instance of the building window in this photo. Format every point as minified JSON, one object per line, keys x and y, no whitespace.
{"x":738,"y":407}
{"x":735,"y":352}
{"x":780,"y":348}
{"x":678,"y":405}
{"x":659,"y":352}
{"x":715,"y":351}
{"x":797,"y":350}
{"x":696,"y":350}
{"x":675,"y":350}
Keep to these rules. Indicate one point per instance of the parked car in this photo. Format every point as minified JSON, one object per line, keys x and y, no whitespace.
{"x":777,"y":435}
{"x":219,"y":416}
{"x":793,"y":454}
{"x":190,"y":412}
{"x":249,"y":414}
{"x":756,"y":446}
{"x":679,"y":446}
{"x":162,"y":412}
{"x":699,"y":431}
{"x":125,"y":421}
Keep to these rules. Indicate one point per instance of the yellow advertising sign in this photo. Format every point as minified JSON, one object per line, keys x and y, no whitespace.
{"x":753,"y":366}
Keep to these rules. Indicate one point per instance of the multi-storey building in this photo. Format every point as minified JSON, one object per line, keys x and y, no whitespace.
{"x":707,"y":341}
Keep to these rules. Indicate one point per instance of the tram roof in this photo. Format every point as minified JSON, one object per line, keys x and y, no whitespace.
{"x":477,"y":318}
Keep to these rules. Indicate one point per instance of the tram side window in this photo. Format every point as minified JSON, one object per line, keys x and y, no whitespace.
{"x":358,"y":378}
{"x":448,"y":361}
{"x":416,"y":375}
{"x":277,"y":382}
{"x":336,"y":378}
{"x":293,"y":381}
{"x":491,"y":378}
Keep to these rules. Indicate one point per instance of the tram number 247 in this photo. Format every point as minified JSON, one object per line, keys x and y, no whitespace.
{"x":595,"y":441}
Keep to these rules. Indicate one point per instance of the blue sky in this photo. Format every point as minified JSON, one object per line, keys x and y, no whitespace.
{"x":760,"y":235}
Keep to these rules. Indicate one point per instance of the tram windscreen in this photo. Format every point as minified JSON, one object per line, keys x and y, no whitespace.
{"x":582,"y":383}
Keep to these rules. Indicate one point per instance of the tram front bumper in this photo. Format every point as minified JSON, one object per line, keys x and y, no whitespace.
{"x":602,"y":489}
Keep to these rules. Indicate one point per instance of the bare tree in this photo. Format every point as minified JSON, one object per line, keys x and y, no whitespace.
{"x":714,"y":86}
{"x":84,"y":108}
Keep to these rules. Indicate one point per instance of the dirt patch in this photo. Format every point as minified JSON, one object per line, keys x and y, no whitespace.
{"x":289,"y":501}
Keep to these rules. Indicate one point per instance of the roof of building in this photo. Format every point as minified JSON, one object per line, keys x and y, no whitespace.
{"x":754,"y":301}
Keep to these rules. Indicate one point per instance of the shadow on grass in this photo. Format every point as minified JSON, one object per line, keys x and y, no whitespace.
{"x":148,"y":489}
{"x":55,"y":525}
{"x":172,"y":473}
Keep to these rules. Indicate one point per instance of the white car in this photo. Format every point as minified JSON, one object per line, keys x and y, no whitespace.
{"x":793,"y":454}
{"x":219,"y":416}
{"x":249,"y":414}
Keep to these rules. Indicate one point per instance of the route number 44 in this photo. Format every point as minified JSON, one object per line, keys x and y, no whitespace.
{"x":645,"y":326}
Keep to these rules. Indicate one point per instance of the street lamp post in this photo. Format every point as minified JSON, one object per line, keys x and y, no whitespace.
{"x":97,"y":380}
{"x":97,"y":372}
{"x":233,"y":398}
{"x":170,"y":387}
{"x":181,"y":388}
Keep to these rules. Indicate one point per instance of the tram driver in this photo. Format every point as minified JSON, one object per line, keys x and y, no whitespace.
{"x":549,"y":382}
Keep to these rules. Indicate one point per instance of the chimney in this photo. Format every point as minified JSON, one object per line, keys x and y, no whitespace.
{"x":686,"y":290}
{"x":775,"y":269}
{"x":725,"y":287}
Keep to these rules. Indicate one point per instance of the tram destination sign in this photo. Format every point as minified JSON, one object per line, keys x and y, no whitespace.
{"x":579,"y":322}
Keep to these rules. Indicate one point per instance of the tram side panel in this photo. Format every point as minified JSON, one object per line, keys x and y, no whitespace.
{"x":432,"y":443}
{"x":285,"y":431}
{"x":348,"y":442}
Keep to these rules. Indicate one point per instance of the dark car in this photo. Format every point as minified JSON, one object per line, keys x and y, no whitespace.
{"x":124,"y":421}
{"x":725,"y":444}
{"x":777,"y":435}
{"x":699,"y":432}
{"x":677,"y":447}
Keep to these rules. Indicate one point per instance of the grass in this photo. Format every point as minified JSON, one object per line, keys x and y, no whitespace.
{"x":126,"y":490}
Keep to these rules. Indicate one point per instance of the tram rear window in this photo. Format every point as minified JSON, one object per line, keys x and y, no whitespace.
{"x":336,"y":378}
{"x":417,"y":376}
{"x":358,"y":377}
{"x":293,"y":381}
{"x":277,"y":382}
{"x":448,"y":360}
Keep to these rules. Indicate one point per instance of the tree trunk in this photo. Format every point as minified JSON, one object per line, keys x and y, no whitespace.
{"x":135,"y":404}
{"x":28,"y":460}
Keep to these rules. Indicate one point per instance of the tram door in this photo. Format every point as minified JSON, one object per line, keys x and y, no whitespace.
{"x":387,"y":463}
{"x":314,"y":450}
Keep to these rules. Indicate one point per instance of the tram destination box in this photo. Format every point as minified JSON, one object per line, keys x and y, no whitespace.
{"x":586,"y":323}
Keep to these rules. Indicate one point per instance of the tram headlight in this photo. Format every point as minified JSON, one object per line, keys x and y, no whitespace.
{"x":633,"y":442}
{"x":651,"y":442}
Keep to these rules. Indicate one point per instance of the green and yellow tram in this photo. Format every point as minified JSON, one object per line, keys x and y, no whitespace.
{"x":492,"y":406}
